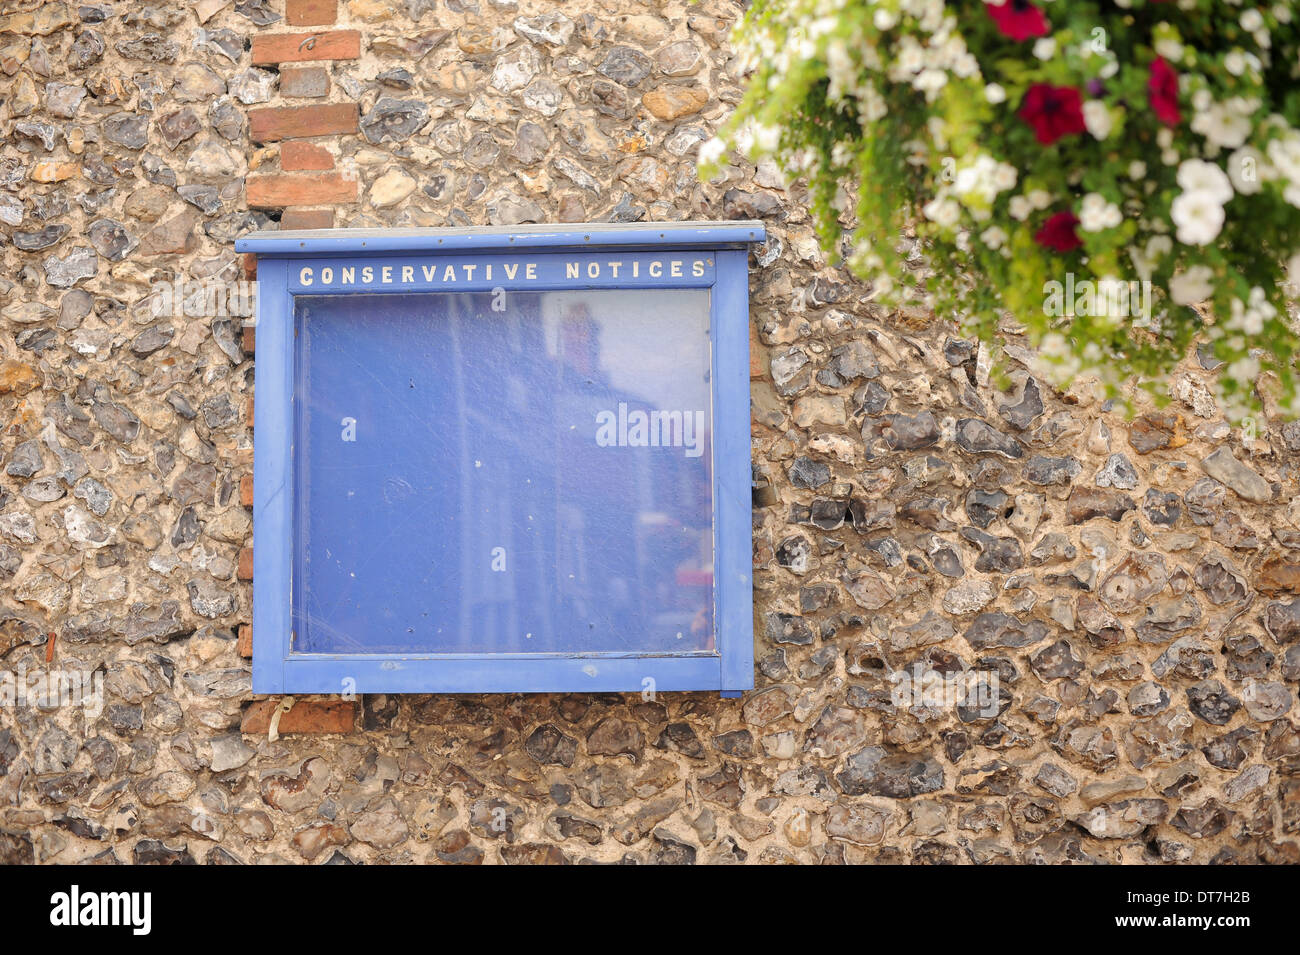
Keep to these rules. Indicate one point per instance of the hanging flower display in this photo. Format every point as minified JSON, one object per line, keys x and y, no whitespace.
{"x":1119,"y":144}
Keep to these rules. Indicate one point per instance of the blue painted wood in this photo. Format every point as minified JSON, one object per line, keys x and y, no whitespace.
{"x":273,"y":481}
{"x":441,"y":272}
{"x":341,"y":634}
{"x":733,"y":497}
{"x":703,"y":235}
{"x":311,"y":673}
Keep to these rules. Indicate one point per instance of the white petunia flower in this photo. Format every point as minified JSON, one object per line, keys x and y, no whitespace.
{"x":930,"y":82}
{"x":994,"y":237}
{"x":1097,"y":214}
{"x":711,"y":151}
{"x":1158,"y":246}
{"x":1199,"y":217}
{"x":1197,"y":174}
{"x":1284,"y":153}
{"x":1096,"y":116}
{"x":943,"y":212}
{"x":1192,"y":286}
{"x":1005,"y":176}
{"x":841,"y":70}
{"x":995,"y":94}
{"x":1169,"y":48}
{"x":1223,"y":124}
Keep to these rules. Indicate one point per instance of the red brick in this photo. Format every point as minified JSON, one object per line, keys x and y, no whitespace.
{"x":296,"y":155}
{"x":304,"y":81}
{"x":757,"y":363}
{"x":272,"y":48}
{"x":310,"y":13}
{"x":298,"y":189}
{"x":250,"y":339}
{"x":246,"y":490}
{"x":250,"y":265}
{"x":296,"y":122}
{"x":245,"y":569}
{"x":245,"y":644}
{"x":306,"y":716}
{"x":307,"y":219}
{"x":250,"y":411}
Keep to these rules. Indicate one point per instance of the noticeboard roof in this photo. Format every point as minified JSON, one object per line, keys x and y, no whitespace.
{"x":544,"y":236}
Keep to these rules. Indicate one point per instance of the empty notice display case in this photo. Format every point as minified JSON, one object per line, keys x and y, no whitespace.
{"x":503,"y":460}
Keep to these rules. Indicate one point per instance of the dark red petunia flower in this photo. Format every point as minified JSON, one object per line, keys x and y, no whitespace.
{"x":1058,"y":233}
{"x":1019,"y":19}
{"x":1162,"y":88}
{"x":1053,"y":111}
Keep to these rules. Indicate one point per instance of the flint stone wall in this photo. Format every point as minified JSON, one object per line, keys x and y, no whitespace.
{"x":1131,"y":583}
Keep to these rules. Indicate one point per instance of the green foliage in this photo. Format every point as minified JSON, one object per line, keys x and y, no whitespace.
{"x":1144,"y":154}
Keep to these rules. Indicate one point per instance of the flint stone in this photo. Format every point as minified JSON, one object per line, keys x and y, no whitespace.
{"x":1266,"y":701}
{"x":1056,"y":662}
{"x":393,"y":120}
{"x":42,"y":238}
{"x":1045,"y":471}
{"x":1118,"y":472}
{"x":1085,"y":504}
{"x":1155,"y":431}
{"x":549,"y":746}
{"x":990,"y":630}
{"x":997,"y":554}
{"x":807,"y":473}
{"x":860,"y":824}
{"x":1223,"y":467}
{"x":979,"y":437}
{"x":80,"y":263}
{"x":1282,"y":621}
{"x":1134,"y":582}
{"x":625,"y":65}
{"x":1162,"y":507}
{"x":1023,"y":413}
{"x":110,"y":239}
{"x":1211,"y":702}
{"x":1220,"y":581}
{"x":905,"y":432}
{"x":876,"y":772}
{"x":553,"y":28}
{"x":127,"y":129}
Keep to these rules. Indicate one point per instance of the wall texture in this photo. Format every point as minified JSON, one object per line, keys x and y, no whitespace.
{"x":1130,"y":585}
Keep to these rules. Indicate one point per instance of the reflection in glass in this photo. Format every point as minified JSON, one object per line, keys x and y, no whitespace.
{"x":517,"y":472}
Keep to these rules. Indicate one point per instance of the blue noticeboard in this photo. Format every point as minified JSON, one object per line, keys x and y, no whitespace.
{"x":503,"y":460}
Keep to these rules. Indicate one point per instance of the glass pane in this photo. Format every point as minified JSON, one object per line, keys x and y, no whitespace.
{"x":509,"y":472}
